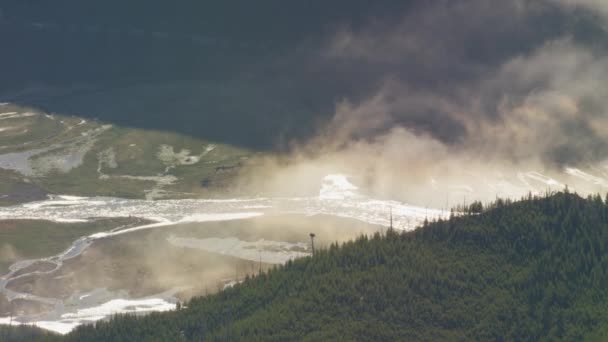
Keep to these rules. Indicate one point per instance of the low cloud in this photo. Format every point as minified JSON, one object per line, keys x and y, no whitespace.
{"x":470,"y":95}
{"x":594,"y":7}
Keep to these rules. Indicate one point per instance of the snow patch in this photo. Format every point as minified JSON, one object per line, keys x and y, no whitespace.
{"x":337,"y":186}
{"x":170,"y":158}
{"x":124,"y":231}
{"x":219,"y":217}
{"x":13,"y":115}
{"x":68,"y":321}
{"x":67,"y":220}
{"x":586,"y":176}
{"x":543,"y":179}
{"x":72,"y":198}
{"x":58,"y":327}
{"x":116,"y":306}
{"x":62,"y":156}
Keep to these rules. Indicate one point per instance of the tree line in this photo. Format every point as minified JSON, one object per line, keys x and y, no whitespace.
{"x":528,"y":270}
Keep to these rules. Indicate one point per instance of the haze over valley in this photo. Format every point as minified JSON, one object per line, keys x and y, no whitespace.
{"x":152,"y":152}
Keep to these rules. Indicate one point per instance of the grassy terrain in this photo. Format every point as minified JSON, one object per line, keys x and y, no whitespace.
{"x":22,"y":333}
{"x":30,"y":239}
{"x":37,"y":131}
{"x":117,"y":161}
{"x":136,"y":155}
{"x":15,"y":189}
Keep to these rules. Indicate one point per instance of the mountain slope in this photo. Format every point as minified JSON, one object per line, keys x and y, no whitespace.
{"x":530,"y":270}
{"x":42,"y":153}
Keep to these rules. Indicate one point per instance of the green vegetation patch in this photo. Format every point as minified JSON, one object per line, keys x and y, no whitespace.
{"x":117,"y":161}
{"x":23,"y":333}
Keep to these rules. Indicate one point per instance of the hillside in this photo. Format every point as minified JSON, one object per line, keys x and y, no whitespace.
{"x":44,"y":153}
{"x":530,"y":270}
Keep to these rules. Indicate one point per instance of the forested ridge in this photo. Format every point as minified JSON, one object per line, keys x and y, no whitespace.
{"x":531,"y":270}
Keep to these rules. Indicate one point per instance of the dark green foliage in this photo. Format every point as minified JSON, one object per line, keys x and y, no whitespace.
{"x":476,"y":207}
{"x":526,"y":271}
{"x":24,"y":333}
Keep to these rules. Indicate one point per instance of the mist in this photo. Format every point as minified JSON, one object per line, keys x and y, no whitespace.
{"x":467,"y":99}
{"x":427,"y":102}
{"x":431,"y":103}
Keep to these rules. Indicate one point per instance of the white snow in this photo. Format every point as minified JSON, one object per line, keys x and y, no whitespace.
{"x":7,"y":321}
{"x":337,"y":187}
{"x":230,"y":284}
{"x":61,"y":327}
{"x":219,"y":217}
{"x":587,"y":177}
{"x":69,"y":220}
{"x":546,"y":182}
{"x":61,"y":202}
{"x":58,"y":327}
{"x":71,"y":198}
{"x":168,"y":212}
{"x":338,"y":197}
{"x":147,"y":226}
{"x":208,"y":149}
{"x":120,"y":306}
{"x":192,"y":218}
{"x":68,"y":321}
{"x":543,"y":179}
{"x":13,"y":115}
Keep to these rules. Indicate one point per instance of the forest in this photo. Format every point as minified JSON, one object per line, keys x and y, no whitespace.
{"x":528,"y":270}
